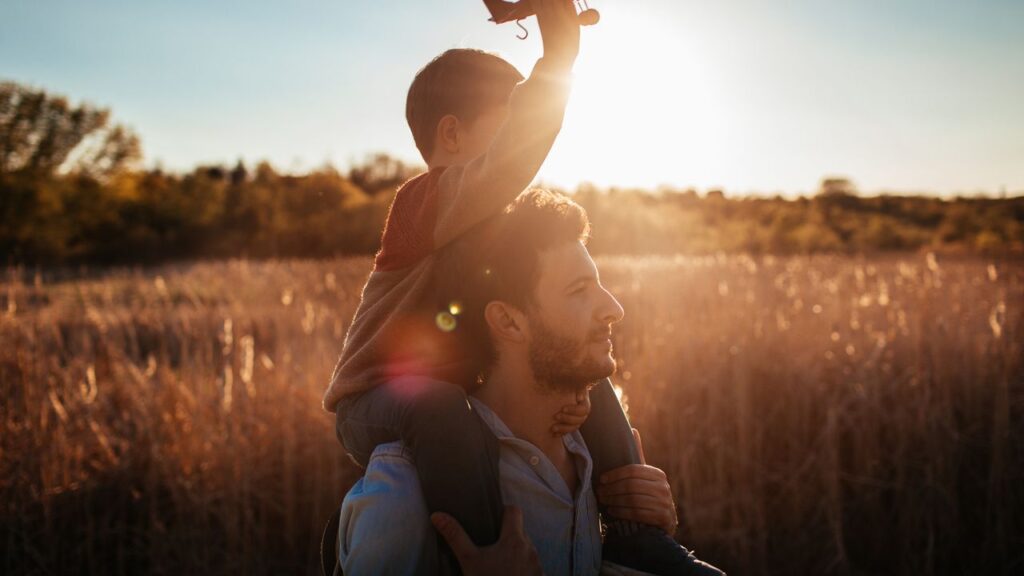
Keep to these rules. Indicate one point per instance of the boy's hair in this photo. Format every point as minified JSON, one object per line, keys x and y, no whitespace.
{"x":500,"y":260}
{"x":462,"y":82}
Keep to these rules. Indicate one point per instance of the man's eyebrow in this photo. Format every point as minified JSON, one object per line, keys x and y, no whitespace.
{"x":588,"y":277}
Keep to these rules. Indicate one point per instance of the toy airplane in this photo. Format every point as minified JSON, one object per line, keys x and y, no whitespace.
{"x":503,"y":11}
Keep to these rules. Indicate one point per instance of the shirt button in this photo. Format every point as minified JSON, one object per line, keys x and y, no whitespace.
{"x":534,"y":460}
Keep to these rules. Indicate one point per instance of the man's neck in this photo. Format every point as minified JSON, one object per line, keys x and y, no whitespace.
{"x":525,"y":408}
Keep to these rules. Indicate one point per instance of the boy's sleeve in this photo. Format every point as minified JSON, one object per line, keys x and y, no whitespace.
{"x":471,"y":193}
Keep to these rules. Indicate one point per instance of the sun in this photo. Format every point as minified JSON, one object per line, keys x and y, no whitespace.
{"x":642,"y":107}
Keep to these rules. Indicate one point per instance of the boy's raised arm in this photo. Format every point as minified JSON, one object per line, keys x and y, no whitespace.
{"x":481,"y":188}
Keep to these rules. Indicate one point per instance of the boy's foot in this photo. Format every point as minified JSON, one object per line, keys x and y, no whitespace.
{"x":651,"y":550}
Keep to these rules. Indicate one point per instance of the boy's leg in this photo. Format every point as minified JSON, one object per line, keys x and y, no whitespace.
{"x":456,"y":454}
{"x":365,"y":421}
{"x":607,"y":432}
{"x":609,"y":439}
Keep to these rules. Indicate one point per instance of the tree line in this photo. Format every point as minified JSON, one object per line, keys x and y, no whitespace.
{"x":73,"y":191}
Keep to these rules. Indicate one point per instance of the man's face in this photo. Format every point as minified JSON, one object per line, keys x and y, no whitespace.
{"x":570,"y":321}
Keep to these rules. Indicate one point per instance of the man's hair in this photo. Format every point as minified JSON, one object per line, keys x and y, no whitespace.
{"x":500,"y":260}
{"x":462,"y":82}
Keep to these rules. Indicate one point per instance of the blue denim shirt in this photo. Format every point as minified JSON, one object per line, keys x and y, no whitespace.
{"x":385,"y":527}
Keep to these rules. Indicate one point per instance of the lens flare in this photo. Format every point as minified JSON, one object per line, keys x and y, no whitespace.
{"x":445,"y":321}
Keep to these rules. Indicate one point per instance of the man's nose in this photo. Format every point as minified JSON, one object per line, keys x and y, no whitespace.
{"x":611,"y":310}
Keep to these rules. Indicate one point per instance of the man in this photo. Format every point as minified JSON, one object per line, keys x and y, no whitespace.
{"x":522,"y":298}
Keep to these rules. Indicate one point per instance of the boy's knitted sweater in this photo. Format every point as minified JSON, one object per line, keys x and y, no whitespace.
{"x":436,"y":207}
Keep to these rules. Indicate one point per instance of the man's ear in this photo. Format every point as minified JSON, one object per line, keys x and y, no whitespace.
{"x":505,"y":321}
{"x":448,"y":134}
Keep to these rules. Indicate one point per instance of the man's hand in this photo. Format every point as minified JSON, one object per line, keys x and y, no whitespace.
{"x":560,"y":30}
{"x":513,"y":553}
{"x":573,"y":416}
{"x":640,"y":493}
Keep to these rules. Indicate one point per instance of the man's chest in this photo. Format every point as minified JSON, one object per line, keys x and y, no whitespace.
{"x":562,"y":524}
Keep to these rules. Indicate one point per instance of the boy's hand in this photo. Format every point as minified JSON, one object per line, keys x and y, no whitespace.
{"x":513,"y":553}
{"x":560,"y":30}
{"x":573,"y":416}
{"x":640,"y":493}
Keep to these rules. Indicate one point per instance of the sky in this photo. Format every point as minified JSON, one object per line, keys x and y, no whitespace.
{"x":753,"y":96}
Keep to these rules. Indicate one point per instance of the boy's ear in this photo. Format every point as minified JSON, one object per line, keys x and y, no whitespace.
{"x":448,"y":134}
{"x":506,"y":322}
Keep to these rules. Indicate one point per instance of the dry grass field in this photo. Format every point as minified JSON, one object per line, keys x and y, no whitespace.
{"x":816,"y":415}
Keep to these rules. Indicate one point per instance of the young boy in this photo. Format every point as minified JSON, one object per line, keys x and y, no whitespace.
{"x":484,"y":133}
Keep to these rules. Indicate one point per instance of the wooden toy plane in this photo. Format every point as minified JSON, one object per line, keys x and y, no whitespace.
{"x":503,"y":11}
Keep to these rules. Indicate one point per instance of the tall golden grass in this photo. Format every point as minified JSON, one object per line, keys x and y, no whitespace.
{"x":816,"y":415}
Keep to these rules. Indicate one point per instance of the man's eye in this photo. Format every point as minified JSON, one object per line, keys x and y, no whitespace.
{"x":579,"y":290}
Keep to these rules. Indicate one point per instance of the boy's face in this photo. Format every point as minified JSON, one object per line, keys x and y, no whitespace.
{"x":476,"y":136}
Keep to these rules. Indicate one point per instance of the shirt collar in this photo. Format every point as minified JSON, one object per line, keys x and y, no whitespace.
{"x":491,"y":419}
{"x":573,"y":441}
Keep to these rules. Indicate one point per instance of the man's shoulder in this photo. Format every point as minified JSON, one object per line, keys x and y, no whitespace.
{"x":384,"y":519}
{"x":390,"y":468}
{"x":389,"y":484}
{"x":391,"y":450}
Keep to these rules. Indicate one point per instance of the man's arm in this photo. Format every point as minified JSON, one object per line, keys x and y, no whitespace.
{"x":482,"y":188}
{"x":385,"y":528}
{"x":384,"y":524}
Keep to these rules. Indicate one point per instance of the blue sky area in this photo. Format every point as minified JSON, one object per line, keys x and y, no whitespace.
{"x":767,"y":96}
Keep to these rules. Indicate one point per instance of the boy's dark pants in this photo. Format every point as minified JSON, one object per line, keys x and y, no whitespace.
{"x":455,"y":452}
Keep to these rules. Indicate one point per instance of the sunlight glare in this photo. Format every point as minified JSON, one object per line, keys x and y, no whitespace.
{"x":642,"y":99}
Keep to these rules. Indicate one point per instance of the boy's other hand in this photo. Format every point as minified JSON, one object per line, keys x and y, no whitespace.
{"x":573,"y":416}
{"x":513,"y":553}
{"x":640,"y":493}
{"x":560,"y":30}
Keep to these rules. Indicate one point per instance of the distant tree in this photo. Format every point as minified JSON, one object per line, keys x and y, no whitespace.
{"x":960,"y":223}
{"x":42,"y":134}
{"x":380,"y":173}
{"x":239,"y":174}
{"x":837,"y":186}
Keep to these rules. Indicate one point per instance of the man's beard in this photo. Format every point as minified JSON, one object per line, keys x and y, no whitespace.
{"x":553,"y":359}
